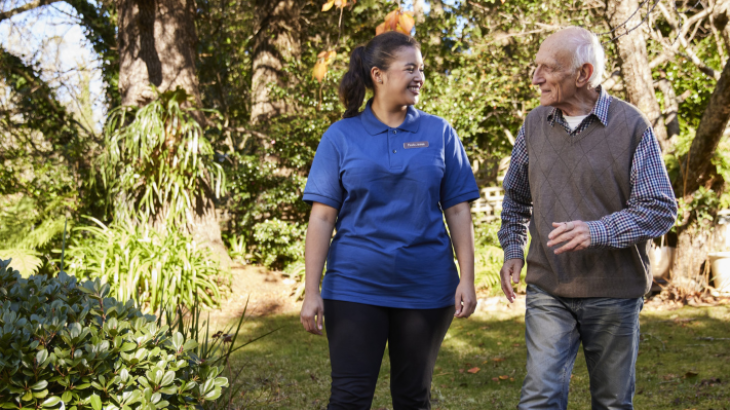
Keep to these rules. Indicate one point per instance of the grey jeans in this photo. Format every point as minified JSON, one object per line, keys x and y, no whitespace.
{"x":555,"y":328}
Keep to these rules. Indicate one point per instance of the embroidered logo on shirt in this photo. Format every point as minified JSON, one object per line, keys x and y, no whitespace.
{"x":416,"y":144}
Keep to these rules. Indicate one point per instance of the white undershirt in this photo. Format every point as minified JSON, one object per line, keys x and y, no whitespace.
{"x":574,"y":122}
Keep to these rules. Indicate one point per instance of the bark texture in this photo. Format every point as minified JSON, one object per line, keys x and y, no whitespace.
{"x":634,"y":62}
{"x":687,"y":271}
{"x":276,"y":42}
{"x":697,"y":167}
{"x":156,"y":46}
{"x":671,"y":109}
{"x":418,"y":13}
{"x":157,"y":42}
{"x":720,"y":18}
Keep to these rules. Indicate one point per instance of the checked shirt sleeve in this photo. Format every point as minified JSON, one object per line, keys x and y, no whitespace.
{"x":517,"y":204}
{"x":651,"y":209}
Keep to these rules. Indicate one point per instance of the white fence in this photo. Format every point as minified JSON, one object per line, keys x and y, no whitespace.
{"x":488,"y":207}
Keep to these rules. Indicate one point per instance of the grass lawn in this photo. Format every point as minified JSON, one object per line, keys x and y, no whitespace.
{"x":682,"y":364}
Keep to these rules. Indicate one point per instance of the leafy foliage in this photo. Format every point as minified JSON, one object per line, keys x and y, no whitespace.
{"x":279,"y":242}
{"x":160,"y":162}
{"x":70,"y":343}
{"x":26,"y":233}
{"x":151,"y":268}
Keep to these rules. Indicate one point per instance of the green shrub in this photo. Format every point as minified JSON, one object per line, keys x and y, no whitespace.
{"x":63,"y":342}
{"x":142,"y":264}
{"x":27,"y":232}
{"x":490,"y":256}
{"x":279,"y":243}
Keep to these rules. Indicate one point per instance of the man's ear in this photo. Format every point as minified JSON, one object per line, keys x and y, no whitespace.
{"x":584,"y":75}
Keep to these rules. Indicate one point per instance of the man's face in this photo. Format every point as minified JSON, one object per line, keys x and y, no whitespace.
{"x":553,"y":73}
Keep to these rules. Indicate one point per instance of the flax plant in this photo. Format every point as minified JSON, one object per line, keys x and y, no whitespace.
{"x":139,"y":263}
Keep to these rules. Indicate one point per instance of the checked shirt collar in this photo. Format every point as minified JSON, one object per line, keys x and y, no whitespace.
{"x":600,"y":111}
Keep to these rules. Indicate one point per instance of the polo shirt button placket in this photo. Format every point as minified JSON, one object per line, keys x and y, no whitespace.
{"x":394,"y":151}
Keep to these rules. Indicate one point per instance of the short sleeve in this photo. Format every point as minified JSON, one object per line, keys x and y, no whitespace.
{"x":323,"y":183}
{"x":458,"y":184}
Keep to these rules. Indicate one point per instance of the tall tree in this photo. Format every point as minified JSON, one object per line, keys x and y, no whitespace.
{"x":625,"y":19}
{"x":156,"y":46}
{"x":157,"y":41}
{"x":277,"y":41}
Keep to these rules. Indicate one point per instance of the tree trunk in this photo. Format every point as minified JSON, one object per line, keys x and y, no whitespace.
{"x":276,"y":42}
{"x":687,"y":271}
{"x":418,"y":11}
{"x":156,"y":46}
{"x":720,"y":18}
{"x":671,"y":109}
{"x":697,"y":167}
{"x":157,"y":42}
{"x":634,"y":62}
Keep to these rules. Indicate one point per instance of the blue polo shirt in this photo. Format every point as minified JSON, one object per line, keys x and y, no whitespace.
{"x":390,"y":185}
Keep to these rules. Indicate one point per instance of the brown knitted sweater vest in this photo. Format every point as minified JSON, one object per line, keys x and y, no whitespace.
{"x":584,"y":178}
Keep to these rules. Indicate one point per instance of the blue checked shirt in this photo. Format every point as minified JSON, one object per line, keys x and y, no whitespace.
{"x":650,"y":211}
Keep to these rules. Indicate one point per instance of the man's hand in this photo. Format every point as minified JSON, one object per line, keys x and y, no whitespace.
{"x":466,"y":300}
{"x":313,"y":307}
{"x":574,"y":234}
{"x":510,"y":269}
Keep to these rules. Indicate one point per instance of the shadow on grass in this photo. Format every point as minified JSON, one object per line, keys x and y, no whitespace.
{"x":683,"y":363}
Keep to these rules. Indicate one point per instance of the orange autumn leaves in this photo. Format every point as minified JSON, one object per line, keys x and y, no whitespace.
{"x":396,"y":20}
{"x":324,"y":59}
{"x":340,"y":4}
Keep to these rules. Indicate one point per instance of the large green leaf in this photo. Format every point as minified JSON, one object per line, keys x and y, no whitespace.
{"x":25,"y":261}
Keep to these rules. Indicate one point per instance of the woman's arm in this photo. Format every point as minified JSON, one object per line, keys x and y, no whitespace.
{"x":321,"y":223}
{"x":458,"y":217}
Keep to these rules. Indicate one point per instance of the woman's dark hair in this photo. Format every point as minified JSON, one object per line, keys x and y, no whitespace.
{"x":378,"y":52}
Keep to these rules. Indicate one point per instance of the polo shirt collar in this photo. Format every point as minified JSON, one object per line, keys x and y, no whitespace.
{"x":600,"y":110}
{"x":374,"y":126}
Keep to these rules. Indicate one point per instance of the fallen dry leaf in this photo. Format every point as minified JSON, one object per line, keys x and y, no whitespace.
{"x":474,"y":370}
{"x":498,"y":359}
{"x":503,"y":377}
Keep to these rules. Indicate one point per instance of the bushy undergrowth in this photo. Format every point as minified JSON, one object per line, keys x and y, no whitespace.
{"x":65,"y":342}
{"x":279,"y":243}
{"x":149,"y":267}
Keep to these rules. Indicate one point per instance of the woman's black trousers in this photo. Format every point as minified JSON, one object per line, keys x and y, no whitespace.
{"x":357,"y":335}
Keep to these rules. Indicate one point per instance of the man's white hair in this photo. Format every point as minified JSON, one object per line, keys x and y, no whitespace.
{"x":588,"y":49}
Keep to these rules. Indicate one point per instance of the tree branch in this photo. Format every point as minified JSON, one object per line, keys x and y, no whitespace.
{"x":25,"y":7}
{"x":670,"y":49}
{"x":699,"y":169}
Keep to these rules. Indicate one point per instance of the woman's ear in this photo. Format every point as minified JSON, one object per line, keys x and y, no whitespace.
{"x":376,"y":75}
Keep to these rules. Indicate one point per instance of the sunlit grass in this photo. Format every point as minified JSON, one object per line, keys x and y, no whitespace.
{"x":290,"y":368}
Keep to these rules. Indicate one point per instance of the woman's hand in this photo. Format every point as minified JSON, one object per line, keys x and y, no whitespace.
{"x":466,"y":299}
{"x":312,"y":314}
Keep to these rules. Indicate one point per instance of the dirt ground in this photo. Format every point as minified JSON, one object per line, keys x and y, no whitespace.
{"x":270,"y":293}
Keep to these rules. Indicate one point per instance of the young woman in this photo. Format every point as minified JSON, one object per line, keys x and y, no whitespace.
{"x":385,"y":177}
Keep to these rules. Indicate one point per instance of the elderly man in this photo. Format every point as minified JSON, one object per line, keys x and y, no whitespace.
{"x":587,"y":177}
